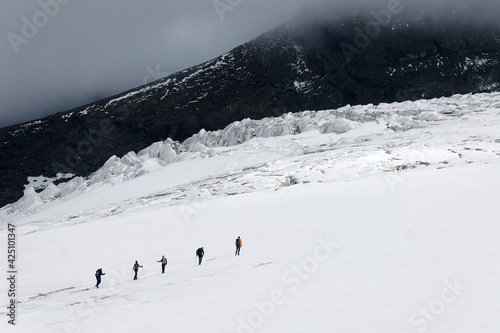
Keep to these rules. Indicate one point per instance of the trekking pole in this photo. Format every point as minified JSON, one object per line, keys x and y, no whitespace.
{"x":142,"y":270}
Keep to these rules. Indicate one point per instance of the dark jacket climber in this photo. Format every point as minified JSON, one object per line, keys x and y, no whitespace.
{"x":200,"y":253}
{"x":98,"y":274}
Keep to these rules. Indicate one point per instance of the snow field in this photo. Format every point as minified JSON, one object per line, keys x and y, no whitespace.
{"x":384,"y":228}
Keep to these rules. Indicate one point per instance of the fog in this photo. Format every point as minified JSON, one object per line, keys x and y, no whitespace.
{"x":470,"y":13}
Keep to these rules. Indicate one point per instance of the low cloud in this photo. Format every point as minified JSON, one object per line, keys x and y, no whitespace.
{"x":459,"y":12}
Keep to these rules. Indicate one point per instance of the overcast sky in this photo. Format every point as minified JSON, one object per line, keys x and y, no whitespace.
{"x":59,"y":54}
{"x":85,"y":50}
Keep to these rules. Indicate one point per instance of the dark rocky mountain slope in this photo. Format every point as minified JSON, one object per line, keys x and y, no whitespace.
{"x":302,"y":65}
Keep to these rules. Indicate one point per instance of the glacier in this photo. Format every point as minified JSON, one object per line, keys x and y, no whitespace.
{"x":368,"y":218}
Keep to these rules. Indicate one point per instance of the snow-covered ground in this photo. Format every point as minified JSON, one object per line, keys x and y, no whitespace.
{"x":358,"y":220}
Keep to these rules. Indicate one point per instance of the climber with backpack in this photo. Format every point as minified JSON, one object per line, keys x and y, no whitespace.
{"x":136,"y":269}
{"x":238,"y":243}
{"x":163,"y":261}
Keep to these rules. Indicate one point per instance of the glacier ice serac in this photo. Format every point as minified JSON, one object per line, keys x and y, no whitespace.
{"x":346,"y":122}
{"x":362,"y":219}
